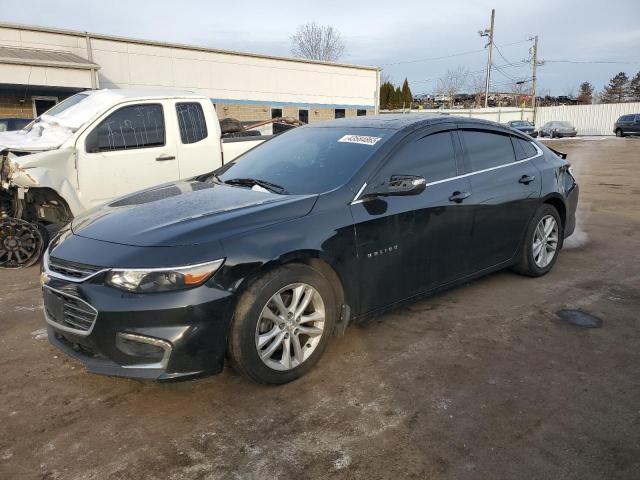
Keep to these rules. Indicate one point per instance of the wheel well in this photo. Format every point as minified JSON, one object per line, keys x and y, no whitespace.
{"x":559,"y":206}
{"x":45,"y":205}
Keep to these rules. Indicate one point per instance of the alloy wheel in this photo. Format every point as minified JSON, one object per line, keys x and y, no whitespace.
{"x":20,"y":243}
{"x":290,"y":327}
{"x":545,"y":241}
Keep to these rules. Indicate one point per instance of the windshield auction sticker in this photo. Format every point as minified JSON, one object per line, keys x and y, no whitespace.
{"x":361,"y":139}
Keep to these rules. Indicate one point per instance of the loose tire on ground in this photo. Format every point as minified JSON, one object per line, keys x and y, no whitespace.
{"x":527,"y":263}
{"x":251,"y":311}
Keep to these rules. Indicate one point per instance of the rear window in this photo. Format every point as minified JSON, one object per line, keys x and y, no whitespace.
{"x":191,"y":122}
{"x":523,"y":148}
{"x":486,"y":149}
{"x":308,"y":160}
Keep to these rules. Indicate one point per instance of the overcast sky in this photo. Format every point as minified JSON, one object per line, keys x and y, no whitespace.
{"x":381,"y":32}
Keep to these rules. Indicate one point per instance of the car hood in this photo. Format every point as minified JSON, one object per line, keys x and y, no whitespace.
{"x":188,"y":213}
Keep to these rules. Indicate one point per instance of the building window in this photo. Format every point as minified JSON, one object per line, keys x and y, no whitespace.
{"x":303,"y":116}
{"x":362,"y":113}
{"x":191,"y":122}
{"x":339,"y":113}
{"x":276,"y":113}
{"x":42,"y":104}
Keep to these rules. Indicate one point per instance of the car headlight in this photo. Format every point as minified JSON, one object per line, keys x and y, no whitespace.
{"x":152,"y":280}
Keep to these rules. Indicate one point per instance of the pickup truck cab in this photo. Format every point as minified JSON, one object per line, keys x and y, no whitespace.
{"x":96,"y":146}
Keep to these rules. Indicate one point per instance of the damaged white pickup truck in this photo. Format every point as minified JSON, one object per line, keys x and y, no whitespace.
{"x":96,"y":146}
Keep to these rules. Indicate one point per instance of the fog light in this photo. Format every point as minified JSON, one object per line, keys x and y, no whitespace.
{"x":152,"y":352}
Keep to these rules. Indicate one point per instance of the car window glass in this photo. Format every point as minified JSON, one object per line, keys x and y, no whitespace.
{"x":523,"y":148}
{"x":135,"y":126}
{"x":486,"y":149}
{"x":308,"y":160}
{"x":431,"y":157}
{"x":191,"y":122}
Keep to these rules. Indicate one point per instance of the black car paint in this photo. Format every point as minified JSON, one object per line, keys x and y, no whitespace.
{"x":377,"y":248}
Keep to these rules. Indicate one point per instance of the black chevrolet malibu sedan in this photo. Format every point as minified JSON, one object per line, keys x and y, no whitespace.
{"x":263,"y":260}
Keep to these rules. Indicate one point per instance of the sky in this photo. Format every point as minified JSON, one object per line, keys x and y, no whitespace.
{"x":404,"y":38}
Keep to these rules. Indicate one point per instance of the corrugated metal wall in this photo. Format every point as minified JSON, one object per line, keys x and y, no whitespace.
{"x":588,"y":119}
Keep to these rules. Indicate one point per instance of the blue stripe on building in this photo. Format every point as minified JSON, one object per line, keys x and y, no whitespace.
{"x":233,"y":101}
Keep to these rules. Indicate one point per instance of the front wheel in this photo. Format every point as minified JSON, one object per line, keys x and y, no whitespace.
{"x":282,"y":324}
{"x":542,"y":243}
{"x":619,"y":133}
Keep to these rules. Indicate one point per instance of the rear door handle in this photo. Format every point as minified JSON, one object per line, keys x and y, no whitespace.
{"x":164,"y":158}
{"x":458,"y":196}
{"x":526,"y":179}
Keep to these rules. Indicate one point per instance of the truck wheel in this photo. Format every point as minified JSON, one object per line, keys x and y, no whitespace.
{"x":21,"y":243}
{"x":282,"y":324}
{"x":542,"y":243}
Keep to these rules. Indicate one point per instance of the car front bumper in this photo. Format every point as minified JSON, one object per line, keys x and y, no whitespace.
{"x":159,"y":336}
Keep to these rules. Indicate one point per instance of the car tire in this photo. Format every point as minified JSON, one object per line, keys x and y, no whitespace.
{"x":619,"y":133}
{"x":531,"y":261}
{"x":254,"y":332}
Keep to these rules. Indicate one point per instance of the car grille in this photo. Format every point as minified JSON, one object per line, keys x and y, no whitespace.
{"x":77,"y":271}
{"x":68,"y":311}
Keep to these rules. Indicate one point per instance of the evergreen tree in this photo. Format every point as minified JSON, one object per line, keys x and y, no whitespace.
{"x":407,"y":96}
{"x":386,"y":92}
{"x":617,"y":90}
{"x":586,"y":93}
{"x":398,"y":98}
{"x":634,"y":88}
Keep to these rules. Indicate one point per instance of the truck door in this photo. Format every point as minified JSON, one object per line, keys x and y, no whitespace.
{"x":129,"y":149}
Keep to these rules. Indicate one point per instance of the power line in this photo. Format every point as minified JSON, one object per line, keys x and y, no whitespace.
{"x":612,"y":62}
{"x":435,"y":79}
{"x":452,"y":55}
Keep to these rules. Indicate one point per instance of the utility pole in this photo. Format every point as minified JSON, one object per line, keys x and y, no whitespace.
{"x":534,"y":78}
{"x":488,"y":32}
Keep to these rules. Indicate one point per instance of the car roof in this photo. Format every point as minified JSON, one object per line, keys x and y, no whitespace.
{"x":148,"y":92}
{"x":401,"y":121}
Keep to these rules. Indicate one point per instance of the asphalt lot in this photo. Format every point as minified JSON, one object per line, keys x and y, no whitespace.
{"x":481,"y":382}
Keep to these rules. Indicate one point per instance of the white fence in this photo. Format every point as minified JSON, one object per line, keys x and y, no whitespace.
{"x":588,"y":119}
{"x":494,"y":114}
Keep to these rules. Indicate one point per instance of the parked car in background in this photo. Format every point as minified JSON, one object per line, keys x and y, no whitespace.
{"x":11,"y":124}
{"x":263,"y":260}
{"x":627,"y":125}
{"x":98,"y":145}
{"x":524,"y":127}
{"x":558,"y":129}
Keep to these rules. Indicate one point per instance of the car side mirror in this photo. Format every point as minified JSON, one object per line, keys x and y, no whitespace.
{"x":399,"y":185}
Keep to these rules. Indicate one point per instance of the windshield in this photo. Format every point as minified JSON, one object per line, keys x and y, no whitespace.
{"x":564,"y":124}
{"x":63,"y":105}
{"x":520,"y":123}
{"x":307,"y":160}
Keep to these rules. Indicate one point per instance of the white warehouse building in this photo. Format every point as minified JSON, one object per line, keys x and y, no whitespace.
{"x":42,"y":66}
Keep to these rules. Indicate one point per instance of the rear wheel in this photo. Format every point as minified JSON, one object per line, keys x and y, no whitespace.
{"x":282,"y":325}
{"x":542,"y":243}
{"x":619,"y":133}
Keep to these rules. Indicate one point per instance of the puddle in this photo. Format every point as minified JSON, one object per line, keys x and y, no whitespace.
{"x":580,"y":318}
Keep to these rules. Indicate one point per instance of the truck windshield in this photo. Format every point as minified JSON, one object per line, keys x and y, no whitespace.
{"x":306,"y":160}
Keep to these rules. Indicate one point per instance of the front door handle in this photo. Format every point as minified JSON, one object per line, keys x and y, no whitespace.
{"x":526,"y":179}
{"x":458,"y":196}
{"x":164,"y":158}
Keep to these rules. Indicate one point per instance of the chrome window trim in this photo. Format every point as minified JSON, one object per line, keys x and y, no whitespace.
{"x":51,"y":273}
{"x":539,"y":153}
{"x":166,"y":346}
{"x":56,"y":325}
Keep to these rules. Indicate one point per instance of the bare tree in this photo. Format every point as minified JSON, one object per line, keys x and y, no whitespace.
{"x":475,"y":84}
{"x":452,"y":83}
{"x":317,"y":42}
{"x":518,"y":89}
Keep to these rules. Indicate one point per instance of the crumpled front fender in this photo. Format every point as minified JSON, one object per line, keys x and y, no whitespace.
{"x":53,"y":169}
